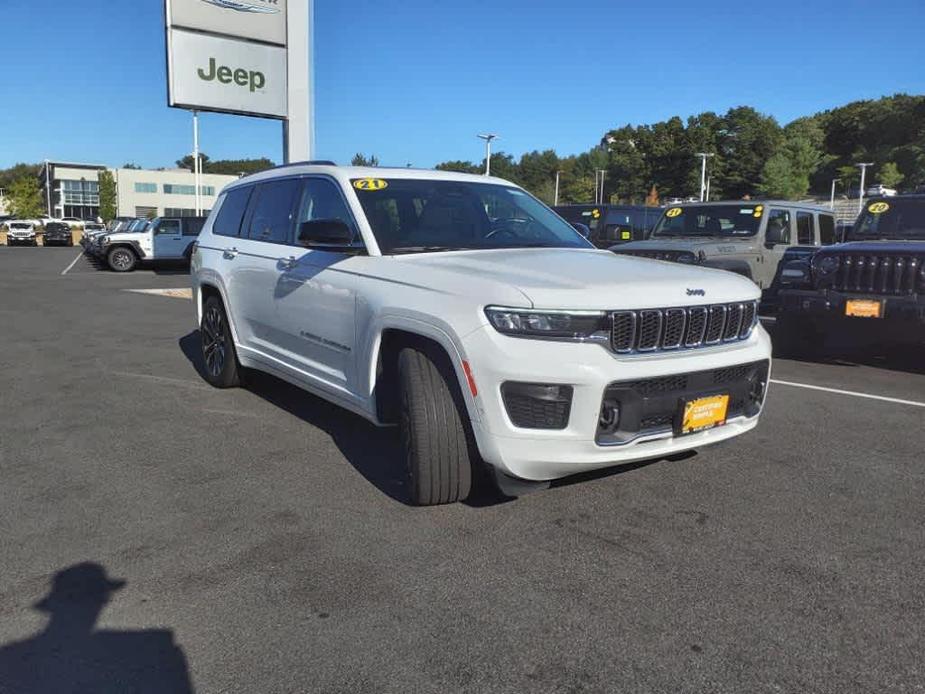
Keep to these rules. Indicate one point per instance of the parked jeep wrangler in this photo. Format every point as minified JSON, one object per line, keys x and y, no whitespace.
{"x":746,"y":237}
{"x":871,"y":289}
{"x":161,"y":239}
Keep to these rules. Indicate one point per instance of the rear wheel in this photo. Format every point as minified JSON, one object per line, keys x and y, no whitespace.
{"x":219,"y":358}
{"x":434,"y":426}
{"x":121,"y":259}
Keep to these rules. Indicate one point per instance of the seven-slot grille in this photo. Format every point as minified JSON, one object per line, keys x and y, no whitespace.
{"x":879,"y":274}
{"x":650,"y":330}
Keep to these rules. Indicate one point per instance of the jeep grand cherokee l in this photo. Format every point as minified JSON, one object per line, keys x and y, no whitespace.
{"x":465,"y":311}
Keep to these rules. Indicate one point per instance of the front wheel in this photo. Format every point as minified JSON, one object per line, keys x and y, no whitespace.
{"x":121,"y":260}
{"x":218,"y":353}
{"x":434,"y":428}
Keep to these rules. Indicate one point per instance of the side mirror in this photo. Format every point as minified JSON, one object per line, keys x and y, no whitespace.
{"x":774,"y":235}
{"x":324,"y":233}
{"x":582,"y":229}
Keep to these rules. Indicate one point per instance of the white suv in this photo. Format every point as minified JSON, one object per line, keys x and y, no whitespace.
{"x":467,"y":312}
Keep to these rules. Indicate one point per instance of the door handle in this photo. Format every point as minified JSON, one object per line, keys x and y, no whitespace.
{"x":287,"y":263}
{"x":230,"y":253}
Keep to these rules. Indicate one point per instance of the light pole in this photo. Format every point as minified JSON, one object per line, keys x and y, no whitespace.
{"x":599,"y":193}
{"x":556,"y":198}
{"x":488,"y":140}
{"x":48,"y":190}
{"x":863,"y":168}
{"x":709,"y":178}
{"x":832,"y":203}
{"x":703,"y":172}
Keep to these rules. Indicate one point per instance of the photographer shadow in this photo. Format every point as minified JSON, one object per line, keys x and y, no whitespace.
{"x":71,"y":655}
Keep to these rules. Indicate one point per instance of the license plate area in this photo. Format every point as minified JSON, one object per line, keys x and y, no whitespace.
{"x":701,"y":414}
{"x":863,"y":308}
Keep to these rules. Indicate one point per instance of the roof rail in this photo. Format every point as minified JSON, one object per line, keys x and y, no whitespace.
{"x":310,"y":162}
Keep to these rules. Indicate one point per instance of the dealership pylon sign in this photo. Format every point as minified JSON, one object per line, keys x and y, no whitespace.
{"x":249,"y":57}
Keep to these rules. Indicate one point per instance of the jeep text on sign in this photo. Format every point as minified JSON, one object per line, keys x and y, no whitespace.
{"x":258,"y":20}
{"x":212,"y":73}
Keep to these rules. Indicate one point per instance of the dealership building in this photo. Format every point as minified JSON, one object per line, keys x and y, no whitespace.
{"x":73,"y":190}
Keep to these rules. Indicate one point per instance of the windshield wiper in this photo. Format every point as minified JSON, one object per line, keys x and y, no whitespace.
{"x":425,"y":249}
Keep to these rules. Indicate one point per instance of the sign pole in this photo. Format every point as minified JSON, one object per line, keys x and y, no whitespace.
{"x":196,"y":166}
{"x":298,"y":128}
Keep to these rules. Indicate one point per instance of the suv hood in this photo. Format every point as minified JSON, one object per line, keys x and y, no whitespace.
{"x":885,"y":246}
{"x":711,"y":246}
{"x":576,"y":278}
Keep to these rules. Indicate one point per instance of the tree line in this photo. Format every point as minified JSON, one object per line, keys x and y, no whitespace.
{"x":753,"y":155}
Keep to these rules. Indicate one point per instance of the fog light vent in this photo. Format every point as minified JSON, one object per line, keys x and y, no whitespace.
{"x":537,"y":405}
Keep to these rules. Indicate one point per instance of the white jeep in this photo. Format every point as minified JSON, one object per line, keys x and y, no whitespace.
{"x":464,"y":310}
{"x":151,"y":242}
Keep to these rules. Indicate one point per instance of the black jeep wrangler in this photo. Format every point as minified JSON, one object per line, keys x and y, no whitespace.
{"x":869,"y":290}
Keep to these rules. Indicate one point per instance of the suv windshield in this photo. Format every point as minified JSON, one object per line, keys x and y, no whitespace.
{"x":421,"y":215}
{"x":894,"y":219}
{"x":20,"y":225}
{"x":710,"y":220}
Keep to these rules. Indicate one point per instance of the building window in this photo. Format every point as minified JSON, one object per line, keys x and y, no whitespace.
{"x":183,"y":212}
{"x":146,"y":212}
{"x":80,"y":192}
{"x":207,"y":190}
{"x":146,"y":187}
{"x":174,"y":189}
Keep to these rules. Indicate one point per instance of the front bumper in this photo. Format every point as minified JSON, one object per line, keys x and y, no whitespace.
{"x":826,"y":309}
{"x":10,"y":238}
{"x":589,"y":369}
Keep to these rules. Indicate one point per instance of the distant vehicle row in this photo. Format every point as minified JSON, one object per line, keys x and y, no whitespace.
{"x":141,"y":241}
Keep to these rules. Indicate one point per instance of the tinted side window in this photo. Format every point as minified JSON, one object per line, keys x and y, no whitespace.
{"x":171,"y":227}
{"x":805,"y":235}
{"x":321,"y":199}
{"x":192,"y":227}
{"x":273,"y":217}
{"x":826,"y":229}
{"x":228,"y":222}
{"x":779,"y":220}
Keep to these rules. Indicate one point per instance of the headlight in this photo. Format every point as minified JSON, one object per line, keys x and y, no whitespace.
{"x":570,"y":325}
{"x":827,"y":265}
{"x":104,"y":240}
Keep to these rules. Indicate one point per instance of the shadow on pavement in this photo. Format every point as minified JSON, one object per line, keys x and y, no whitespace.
{"x":71,"y":655}
{"x":374,"y":451}
{"x":371,"y":450}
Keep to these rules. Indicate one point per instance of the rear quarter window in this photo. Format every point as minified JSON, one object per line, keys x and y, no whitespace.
{"x":231,"y":212}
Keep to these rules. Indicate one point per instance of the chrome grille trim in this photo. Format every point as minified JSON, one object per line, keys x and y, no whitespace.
{"x":649,"y":330}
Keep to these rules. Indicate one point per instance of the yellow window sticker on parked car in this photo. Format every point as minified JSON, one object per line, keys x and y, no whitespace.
{"x":878,"y":207}
{"x":370,"y":184}
{"x":758,"y":210}
{"x":596,"y":214}
{"x":673,"y":212}
{"x":626,"y":235}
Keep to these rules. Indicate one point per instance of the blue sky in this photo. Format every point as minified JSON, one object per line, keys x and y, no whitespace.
{"x":413,"y":81}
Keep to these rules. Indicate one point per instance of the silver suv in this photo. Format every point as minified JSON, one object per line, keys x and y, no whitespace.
{"x":746,"y":237}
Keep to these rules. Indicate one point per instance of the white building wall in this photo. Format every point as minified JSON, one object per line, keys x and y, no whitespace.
{"x":139,"y":191}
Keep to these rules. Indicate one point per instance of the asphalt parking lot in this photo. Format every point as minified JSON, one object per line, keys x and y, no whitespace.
{"x":264,"y":545}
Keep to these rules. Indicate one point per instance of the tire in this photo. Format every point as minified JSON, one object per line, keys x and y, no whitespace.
{"x":121,"y":259}
{"x":435,"y":432}
{"x":219,"y":358}
{"x":794,"y":338}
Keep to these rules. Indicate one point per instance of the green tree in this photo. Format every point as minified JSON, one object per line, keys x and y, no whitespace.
{"x":459,"y":166}
{"x":238,"y":167}
{"x":890,"y":175}
{"x":17,"y":171}
{"x":747,"y":141}
{"x":24,"y":197}
{"x":187,"y":162}
{"x":362,"y":160}
{"x":779,"y":180}
{"x":133,"y":165}
{"x":107,"y":195}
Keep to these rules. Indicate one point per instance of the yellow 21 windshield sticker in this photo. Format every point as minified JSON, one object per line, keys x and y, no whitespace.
{"x":878,"y":207}
{"x":370,"y":184}
{"x":673,"y":212}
